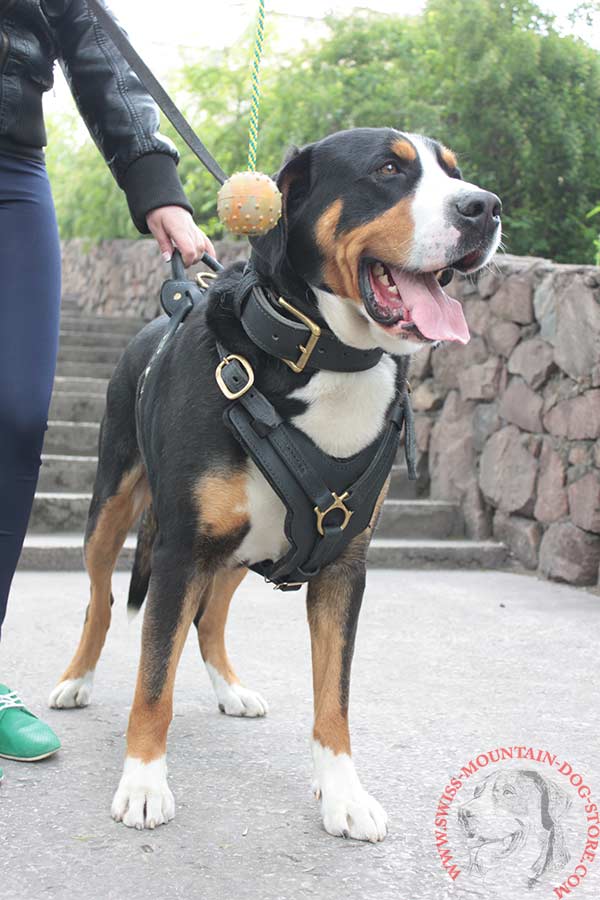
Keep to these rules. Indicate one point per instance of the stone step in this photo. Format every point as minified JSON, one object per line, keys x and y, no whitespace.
{"x":63,"y":552}
{"x":100,"y":324}
{"x":77,"y":407}
{"x":67,"y":473}
{"x":401,"y":488}
{"x":93,"y":355}
{"x":418,"y":519}
{"x":67,"y":384}
{"x":61,"y":472}
{"x":55,"y":512}
{"x":63,"y":510}
{"x":72,"y":438}
{"x":387,"y":553}
{"x":93,"y":339}
{"x":85,"y":370}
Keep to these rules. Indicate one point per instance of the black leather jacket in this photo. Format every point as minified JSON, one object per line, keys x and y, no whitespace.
{"x":122,"y":119}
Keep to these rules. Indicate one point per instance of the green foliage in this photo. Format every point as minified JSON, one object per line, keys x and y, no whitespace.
{"x":493,"y":80}
{"x":88,"y":202}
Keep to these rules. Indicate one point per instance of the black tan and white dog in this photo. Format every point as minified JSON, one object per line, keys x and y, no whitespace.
{"x":372,"y":220}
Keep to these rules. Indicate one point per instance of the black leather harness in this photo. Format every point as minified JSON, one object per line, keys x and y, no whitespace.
{"x":328,"y":500}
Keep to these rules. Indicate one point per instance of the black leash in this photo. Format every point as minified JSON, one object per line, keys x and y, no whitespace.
{"x":156,"y":90}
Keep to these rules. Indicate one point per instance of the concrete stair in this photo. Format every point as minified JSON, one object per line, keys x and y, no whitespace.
{"x":413,"y":531}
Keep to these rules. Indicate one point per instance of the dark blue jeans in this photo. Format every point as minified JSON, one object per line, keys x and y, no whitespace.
{"x":29,"y":322}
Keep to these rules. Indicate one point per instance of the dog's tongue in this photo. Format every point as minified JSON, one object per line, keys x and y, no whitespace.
{"x":436,"y":315}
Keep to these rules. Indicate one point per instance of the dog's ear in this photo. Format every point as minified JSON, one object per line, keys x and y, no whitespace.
{"x":554,"y":805}
{"x":558,"y":801}
{"x":293,"y":180}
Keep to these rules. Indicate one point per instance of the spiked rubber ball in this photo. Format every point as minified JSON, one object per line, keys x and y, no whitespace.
{"x":249,"y":203}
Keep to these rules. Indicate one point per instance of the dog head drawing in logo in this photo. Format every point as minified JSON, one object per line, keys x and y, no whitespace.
{"x":515,"y":815}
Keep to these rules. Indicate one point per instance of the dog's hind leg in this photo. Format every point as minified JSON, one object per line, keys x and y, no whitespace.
{"x":333,"y":605}
{"x":120,"y":494}
{"x":232,"y":697}
{"x":143,"y":798}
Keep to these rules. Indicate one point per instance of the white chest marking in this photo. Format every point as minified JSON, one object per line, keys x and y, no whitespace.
{"x":345,"y":413}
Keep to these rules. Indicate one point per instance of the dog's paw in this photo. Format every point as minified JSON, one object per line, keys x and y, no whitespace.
{"x":72,"y":692}
{"x":235,"y":699}
{"x":346,"y":808}
{"x":143,"y":798}
{"x":357,"y":816}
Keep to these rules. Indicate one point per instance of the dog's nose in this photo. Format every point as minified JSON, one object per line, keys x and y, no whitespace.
{"x":478,"y":207}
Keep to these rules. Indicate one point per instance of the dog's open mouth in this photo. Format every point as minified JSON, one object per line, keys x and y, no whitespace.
{"x":410,"y":304}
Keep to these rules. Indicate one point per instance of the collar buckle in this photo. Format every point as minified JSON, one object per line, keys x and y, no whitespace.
{"x":315,"y":334}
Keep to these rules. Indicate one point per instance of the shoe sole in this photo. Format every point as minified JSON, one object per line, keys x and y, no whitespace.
{"x":29,"y":758}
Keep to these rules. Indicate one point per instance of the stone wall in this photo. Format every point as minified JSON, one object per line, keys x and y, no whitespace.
{"x":508,"y":425}
{"x":123,"y":278}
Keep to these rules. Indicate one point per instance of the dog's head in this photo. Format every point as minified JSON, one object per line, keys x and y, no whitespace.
{"x":507,"y":807}
{"x":373,"y":220}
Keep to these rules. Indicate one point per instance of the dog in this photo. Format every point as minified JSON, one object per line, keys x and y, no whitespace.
{"x":513,"y":824}
{"x":372,"y":218}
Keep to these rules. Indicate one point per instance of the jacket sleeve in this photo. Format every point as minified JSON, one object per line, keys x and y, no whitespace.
{"x":121,"y":117}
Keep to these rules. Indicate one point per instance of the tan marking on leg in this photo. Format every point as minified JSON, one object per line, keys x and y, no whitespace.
{"x":326,"y":636}
{"x":211,"y":627}
{"x":388,"y":238}
{"x":150,"y":718}
{"x":333,"y":603}
{"x":377,"y":511}
{"x":449,"y":158}
{"x":404,"y":149}
{"x":222,"y":503}
{"x":102,"y":549}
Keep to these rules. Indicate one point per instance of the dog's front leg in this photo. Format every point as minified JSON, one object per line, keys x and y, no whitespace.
{"x":333,"y":604}
{"x":143,"y":798}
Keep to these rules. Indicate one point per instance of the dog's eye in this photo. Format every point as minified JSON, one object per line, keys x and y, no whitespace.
{"x":508,"y":792}
{"x":389,"y":168}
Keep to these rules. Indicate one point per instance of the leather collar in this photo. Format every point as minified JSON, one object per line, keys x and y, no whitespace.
{"x":280,"y":328}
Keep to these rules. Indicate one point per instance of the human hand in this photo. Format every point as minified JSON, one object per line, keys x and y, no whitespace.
{"x":173,"y":226}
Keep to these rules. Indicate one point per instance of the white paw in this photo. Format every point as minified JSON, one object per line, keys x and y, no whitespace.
{"x":72,"y":692}
{"x":234,"y":699}
{"x":143,"y":798}
{"x":346,"y":808}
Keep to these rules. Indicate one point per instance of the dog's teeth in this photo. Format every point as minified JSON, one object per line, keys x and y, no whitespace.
{"x":393,"y":289}
{"x":378,"y":269}
{"x":383,"y":279}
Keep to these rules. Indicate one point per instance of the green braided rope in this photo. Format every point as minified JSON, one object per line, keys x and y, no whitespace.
{"x":258,"y":48}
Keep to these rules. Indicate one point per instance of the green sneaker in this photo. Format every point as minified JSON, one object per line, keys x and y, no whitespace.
{"x":22,"y":735}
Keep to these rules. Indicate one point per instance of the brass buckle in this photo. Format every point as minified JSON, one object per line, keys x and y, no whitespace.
{"x":234,"y":395}
{"x":315,"y":334}
{"x":201,"y":278}
{"x":337,"y":504}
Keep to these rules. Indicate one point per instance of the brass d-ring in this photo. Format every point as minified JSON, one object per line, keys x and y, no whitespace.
{"x":338,"y":503}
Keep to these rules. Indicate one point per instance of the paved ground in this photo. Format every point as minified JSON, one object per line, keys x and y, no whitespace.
{"x":448,"y":665}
